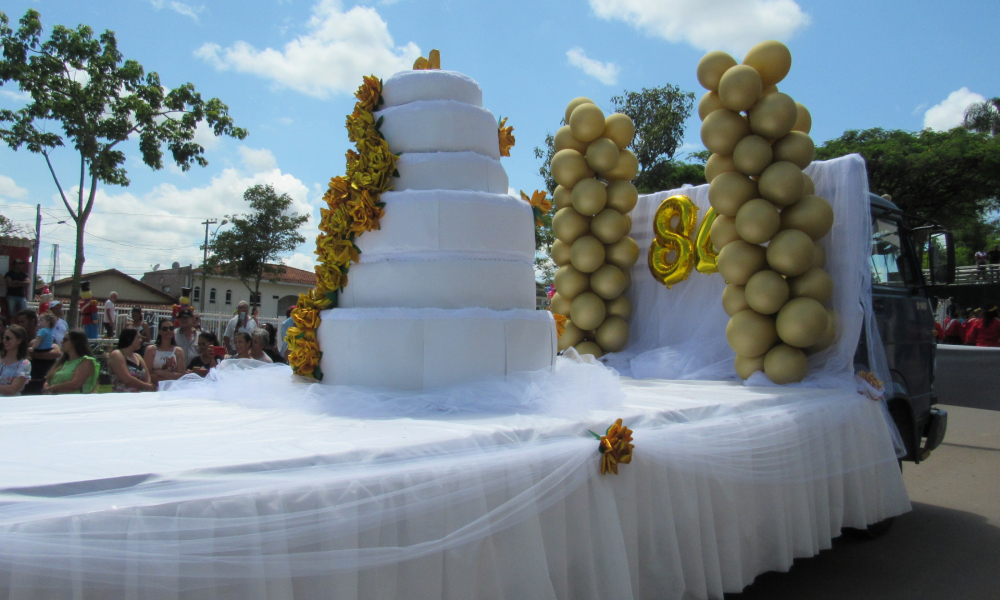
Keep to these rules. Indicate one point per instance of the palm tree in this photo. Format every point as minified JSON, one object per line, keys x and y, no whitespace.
{"x":983,"y":116}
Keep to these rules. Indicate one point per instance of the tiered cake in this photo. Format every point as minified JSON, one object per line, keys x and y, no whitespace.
{"x":444,"y":292}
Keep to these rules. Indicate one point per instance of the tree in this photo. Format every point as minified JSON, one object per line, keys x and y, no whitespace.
{"x":983,"y":117}
{"x":952,"y":177}
{"x":100,"y":100}
{"x":250,"y":249}
{"x":10,"y":228}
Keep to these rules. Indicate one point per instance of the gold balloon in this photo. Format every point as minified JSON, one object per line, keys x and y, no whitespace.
{"x":803,"y":120}
{"x":609,"y":225}
{"x":623,"y":254}
{"x":560,"y":253}
{"x":709,"y":103}
{"x":589,"y":197}
{"x":620,"y":307}
{"x":722,"y":130}
{"x":757,"y":221}
{"x":781,"y":183}
{"x":766,"y":292}
{"x":768,"y":89}
{"x":771,"y":59}
{"x":790,"y":252}
{"x":751,"y":334}
{"x":729,"y":191}
{"x":747,"y":366}
{"x":734,"y":299}
{"x":589,"y":347}
{"x":612,"y":334}
{"x":608,"y":282}
{"x":706,"y":257}
{"x":562,"y":197}
{"x":587,"y":122}
{"x":711,"y":67}
{"x":586,"y":254}
{"x":628,"y":278}
{"x":568,"y":225}
{"x":571,"y":336}
{"x":796,"y":148}
{"x":819,"y":256}
{"x":808,"y":187}
{"x":814,"y":283}
{"x":587,"y":311}
{"x":801,"y":322}
{"x":773,"y":116}
{"x":602,"y":155}
{"x":811,"y":214}
{"x":568,"y":167}
{"x":626,"y":169}
{"x":564,"y":139}
{"x":718,"y":164}
{"x":740,"y":88}
{"x":620,"y":129}
{"x":829,"y":334}
{"x":573,"y":104}
{"x":559,"y":305}
{"x":723,"y":231}
{"x":785,"y":364}
{"x":570,"y":282}
{"x":752,"y":155}
{"x":739,"y":260}
{"x":622,"y":196}
{"x":672,"y":253}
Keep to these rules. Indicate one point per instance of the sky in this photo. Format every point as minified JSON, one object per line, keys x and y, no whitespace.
{"x":287,"y":69}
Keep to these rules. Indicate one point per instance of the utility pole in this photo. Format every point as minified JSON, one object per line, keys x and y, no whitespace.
{"x":38,"y":242}
{"x":204,"y":260}
{"x":55,"y":266}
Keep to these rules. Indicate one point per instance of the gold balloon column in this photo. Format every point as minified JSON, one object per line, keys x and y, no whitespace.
{"x":777,"y":294}
{"x":594,"y":253}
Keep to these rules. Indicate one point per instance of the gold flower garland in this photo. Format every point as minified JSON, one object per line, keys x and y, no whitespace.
{"x":354,"y":207}
{"x":615,"y":447}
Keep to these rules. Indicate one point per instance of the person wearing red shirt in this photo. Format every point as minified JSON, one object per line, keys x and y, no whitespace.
{"x":986,"y":331}
{"x":954,"y":329}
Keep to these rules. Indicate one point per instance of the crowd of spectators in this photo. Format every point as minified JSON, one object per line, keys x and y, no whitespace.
{"x":969,"y":327}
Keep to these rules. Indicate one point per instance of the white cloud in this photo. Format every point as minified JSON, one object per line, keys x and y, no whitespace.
{"x":306,"y":262}
{"x":180,"y":8}
{"x":950,"y":113}
{"x":286,"y":120}
{"x":731,"y":25}
{"x":606,"y":73}
{"x":258,"y":160}
{"x":16,"y":96}
{"x":339,"y":48}
{"x":10,"y":189}
{"x":204,"y":135}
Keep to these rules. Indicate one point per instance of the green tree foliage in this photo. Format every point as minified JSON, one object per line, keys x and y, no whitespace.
{"x":83,"y":85}
{"x":8,"y":227}
{"x":250,"y":249}
{"x":983,"y":117}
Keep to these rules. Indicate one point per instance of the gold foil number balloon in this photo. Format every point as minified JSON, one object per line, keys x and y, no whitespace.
{"x":673,"y":239}
{"x":704,"y":247}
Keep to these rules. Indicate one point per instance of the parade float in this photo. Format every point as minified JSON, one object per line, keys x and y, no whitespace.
{"x":431,"y":445}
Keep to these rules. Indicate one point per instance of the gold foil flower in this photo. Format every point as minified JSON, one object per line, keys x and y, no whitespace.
{"x":560,"y":324}
{"x":306,"y":319}
{"x":359,"y":125}
{"x":539,"y":204}
{"x":368,"y":94}
{"x":506,"y":135}
{"x":614,"y":447}
{"x":329,"y":278}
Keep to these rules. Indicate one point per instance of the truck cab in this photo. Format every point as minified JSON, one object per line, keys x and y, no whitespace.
{"x":905,"y":319}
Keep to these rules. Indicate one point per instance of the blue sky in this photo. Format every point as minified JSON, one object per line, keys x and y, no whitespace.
{"x":287,"y":69}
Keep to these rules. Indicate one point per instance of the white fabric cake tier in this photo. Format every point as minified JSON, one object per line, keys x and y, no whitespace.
{"x":440,"y":281}
{"x":440,"y":126}
{"x":476,"y":224}
{"x":450,"y":171}
{"x":411,"y":86}
{"x":425,"y":349}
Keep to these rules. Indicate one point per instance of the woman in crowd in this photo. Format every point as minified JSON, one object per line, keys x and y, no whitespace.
{"x":271,"y":349}
{"x":15,"y":368}
{"x":128,"y":369}
{"x":164,"y":359}
{"x":140,"y":324}
{"x":243,"y":343}
{"x":259,"y":342}
{"x":41,"y":362}
{"x":986,"y":331}
{"x":75,"y":372}
{"x":206,"y":359}
{"x":954,"y":329}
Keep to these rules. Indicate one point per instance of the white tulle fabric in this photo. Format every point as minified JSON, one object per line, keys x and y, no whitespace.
{"x":253,"y":485}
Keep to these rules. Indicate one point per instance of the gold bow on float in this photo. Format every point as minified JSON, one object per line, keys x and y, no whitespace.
{"x":676,"y":240}
{"x":433,"y":61}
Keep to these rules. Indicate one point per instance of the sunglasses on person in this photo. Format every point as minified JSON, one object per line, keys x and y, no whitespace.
{"x":9,"y":338}
{"x":166,"y":328}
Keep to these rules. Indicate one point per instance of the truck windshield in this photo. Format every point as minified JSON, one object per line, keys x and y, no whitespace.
{"x":888,"y":262}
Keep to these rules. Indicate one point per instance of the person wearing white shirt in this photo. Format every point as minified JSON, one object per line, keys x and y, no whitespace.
{"x":61,"y":326}
{"x":110,"y":314}
{"x":241,"y":322}
{"x":185,"y":335}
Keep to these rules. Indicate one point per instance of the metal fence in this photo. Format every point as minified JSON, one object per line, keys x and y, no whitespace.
{"x":972,"y":274}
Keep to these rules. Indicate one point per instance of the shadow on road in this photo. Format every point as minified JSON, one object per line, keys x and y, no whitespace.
{"x":932,"y":553}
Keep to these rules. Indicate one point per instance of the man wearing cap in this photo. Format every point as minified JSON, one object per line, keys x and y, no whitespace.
{"x":61,"y":327}
{"x":185,"y":335}
{"x":17,"y":285}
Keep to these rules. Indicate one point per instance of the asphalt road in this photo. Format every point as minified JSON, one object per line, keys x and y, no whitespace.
{"x":948,"y":547}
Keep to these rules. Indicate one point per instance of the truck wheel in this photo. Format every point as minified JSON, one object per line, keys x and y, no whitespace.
{"x":872,"y":532}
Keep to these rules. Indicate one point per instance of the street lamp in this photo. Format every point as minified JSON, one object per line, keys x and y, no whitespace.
{"x":204,"y":274}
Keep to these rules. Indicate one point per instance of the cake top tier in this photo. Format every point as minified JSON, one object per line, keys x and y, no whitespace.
{"x":411,"y":86}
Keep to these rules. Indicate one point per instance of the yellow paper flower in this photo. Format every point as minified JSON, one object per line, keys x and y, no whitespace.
{"x":506,"y":135}
{"x":329,"y":278}
{"x":615,"y":448}
{"x":306,"y":319}
{"x":336,"y":250}
{"x":359,"y":123}
{"x":560,"y":323}
{"x":368,"y":94}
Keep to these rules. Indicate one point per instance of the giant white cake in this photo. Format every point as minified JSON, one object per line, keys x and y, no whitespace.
{"x":444,"y":292}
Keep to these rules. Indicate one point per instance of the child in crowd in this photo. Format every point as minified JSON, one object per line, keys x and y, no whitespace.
{"x":43,"y":341}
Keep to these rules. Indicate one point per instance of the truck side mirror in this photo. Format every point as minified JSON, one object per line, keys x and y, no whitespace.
{"x":941,"y":258}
